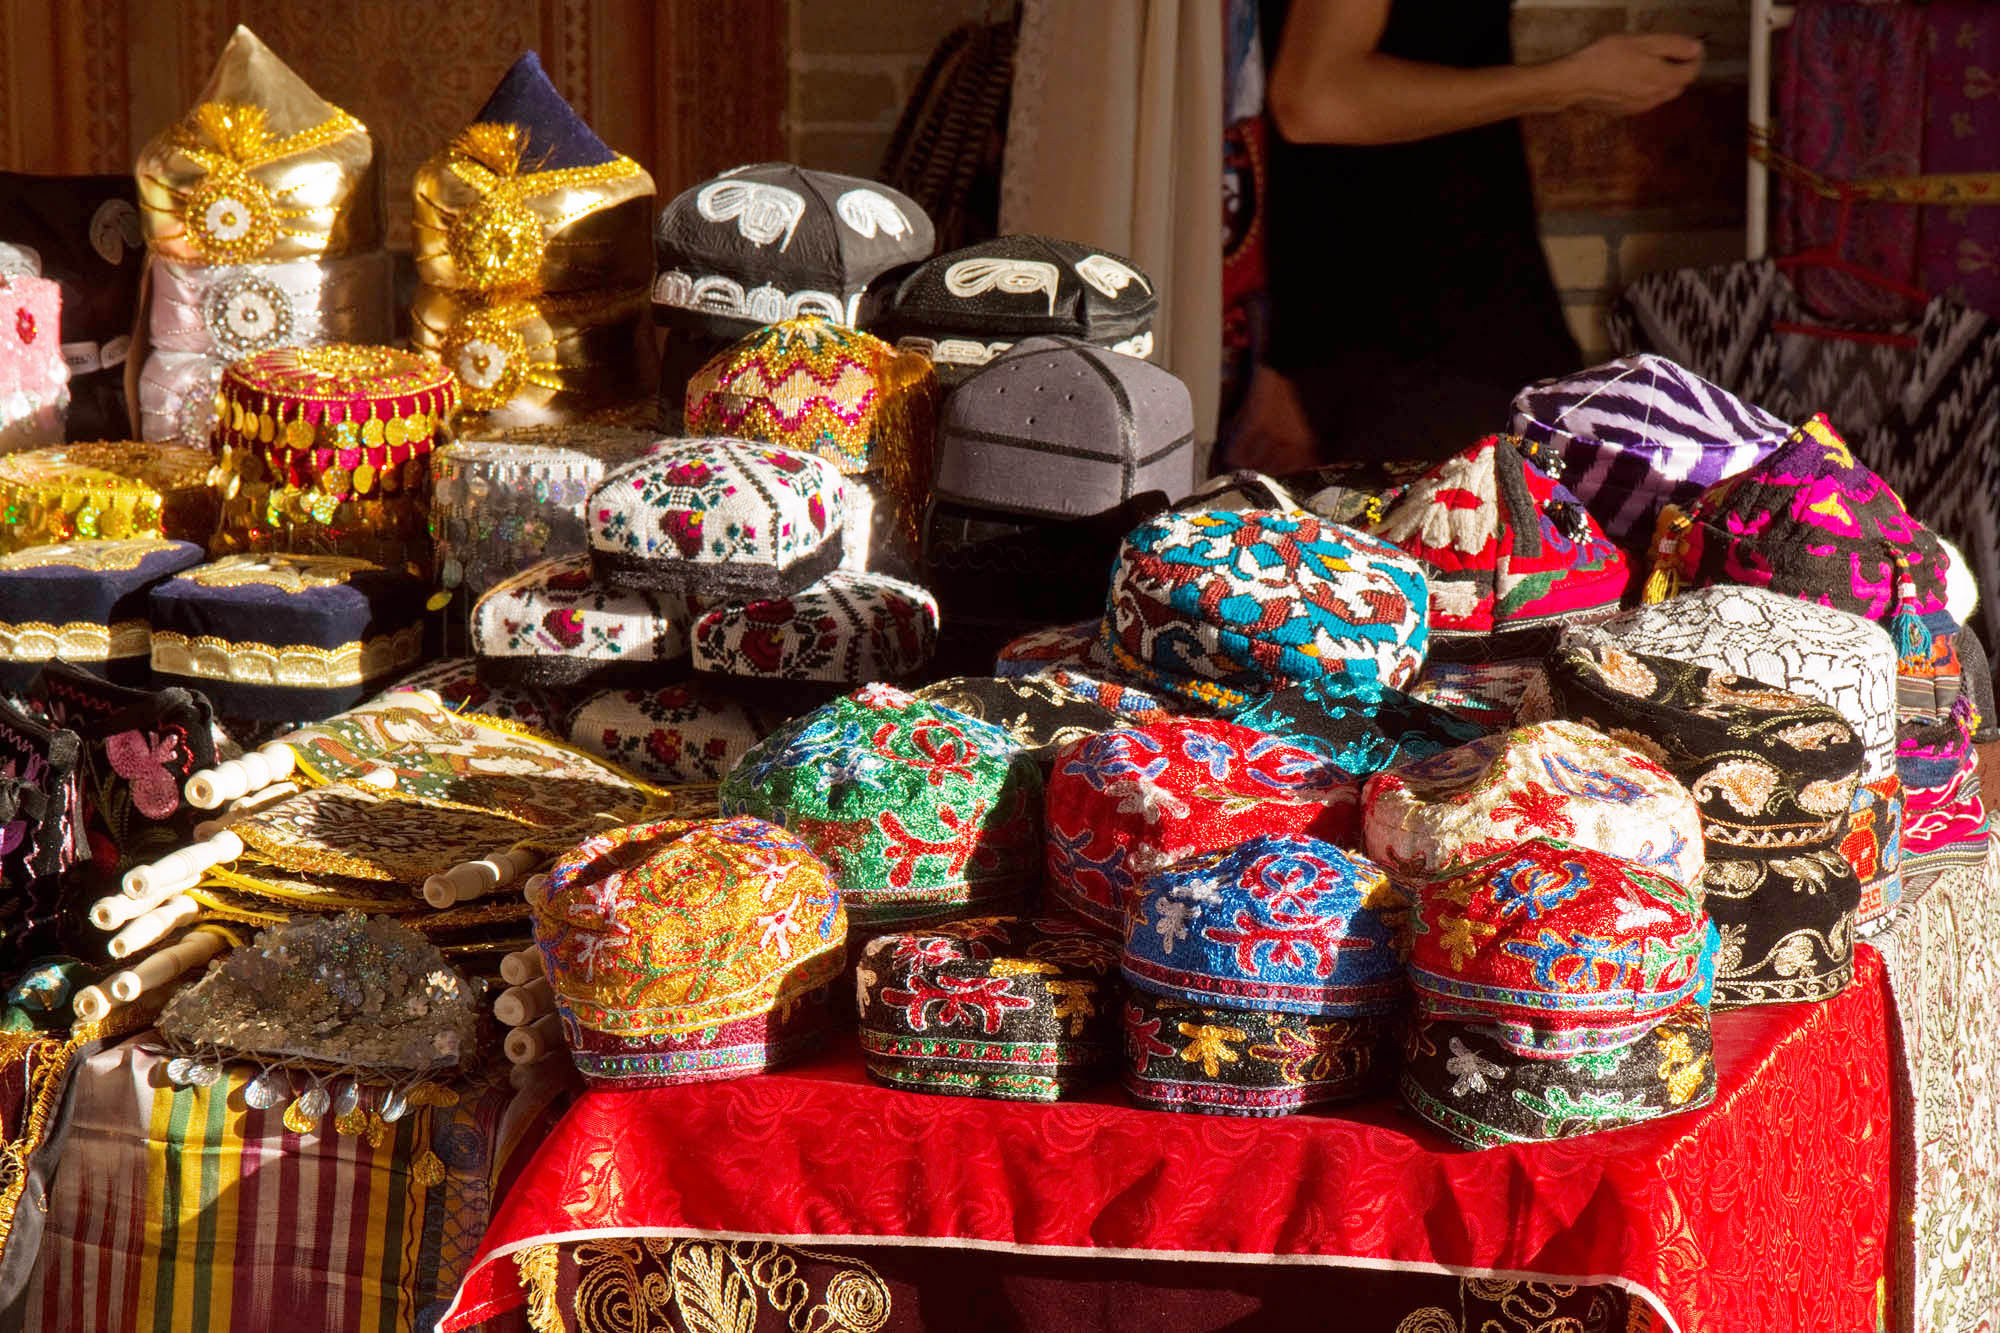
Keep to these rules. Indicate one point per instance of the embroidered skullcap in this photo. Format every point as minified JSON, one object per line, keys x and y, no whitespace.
{"x":1282,"y":922}
{"x":1774,"y":777}
{"x":963,"y":308}
{"x":691,"y":731}
{"x":87,"y":603}
{"x":1251,"y":1062}
{"x":1363,"y":733}
{"x":260,"y":168}
{"x":1550,"y":780}
{"x":1219,"y":606}
{"x":846,"y":629}
{"x":554,"y":625}
{"x":722,"y":518}
{"x":1635,"y":435}
{"x":1485,"y":694}
{"x":1461,"y":1080}
{"x":34,"y":378}
{"x":995,"y":1006}
{"x":921,"y":812}
{"x":1055,"y":428}
{"x":1038,"y":714}
{"x":1125,"y":804}
{"x":1561,"y":949}
{"x":1511,"y":553}
{"x":660,"y":930}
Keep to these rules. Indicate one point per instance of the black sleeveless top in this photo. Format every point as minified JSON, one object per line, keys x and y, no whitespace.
{"x":1409,"y":294}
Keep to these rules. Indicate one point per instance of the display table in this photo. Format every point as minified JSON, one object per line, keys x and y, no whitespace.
{"x":1769,"y":1209}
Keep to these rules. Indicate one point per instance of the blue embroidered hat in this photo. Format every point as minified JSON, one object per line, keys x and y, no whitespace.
{"x":1218,"y":606}
{"x":556,"y":135}
{"x":84,"y":602}
{"x":1280,"y":922}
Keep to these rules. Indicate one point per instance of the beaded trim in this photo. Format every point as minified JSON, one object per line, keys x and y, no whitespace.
{"x":206,"y":657}
{"x":77,"y":641}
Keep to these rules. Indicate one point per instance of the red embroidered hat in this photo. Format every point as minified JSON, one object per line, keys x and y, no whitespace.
{"x":1124,"y":804}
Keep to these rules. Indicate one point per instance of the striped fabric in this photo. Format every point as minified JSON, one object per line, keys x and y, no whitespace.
{"x":177,"y":1208}
{"x":1641,"y":433}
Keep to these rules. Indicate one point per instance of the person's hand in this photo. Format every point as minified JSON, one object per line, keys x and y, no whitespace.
{"x":1272,"y":434}
{"x":1628,"y":73}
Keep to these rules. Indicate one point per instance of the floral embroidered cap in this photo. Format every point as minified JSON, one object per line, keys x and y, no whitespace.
{"x":1252,"y":1062}
{"x":922,"y":813}
{"x":658,"y":931}
{"x":86,"y":602}
{"x":1427,"y":817}
{"x":554,"y":625}
{"x":691,"y":731}
{"x":34,"y":378}
{"x":723,"y":518}
{"x":846,"y":629}
{"x":1219,"y":606}
{"x":1511,"y":553}
{"x":1280,"y":921}
{"x":1125,"y":804}
{"x":995,"y":1006}
{"x":1774,"y":777}
{"x":1464,"y":1082}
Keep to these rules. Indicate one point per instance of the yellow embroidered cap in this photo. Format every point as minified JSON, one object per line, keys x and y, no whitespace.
{"x":107,"y":488}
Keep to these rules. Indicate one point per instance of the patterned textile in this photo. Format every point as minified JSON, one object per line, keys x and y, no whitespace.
{"x":1056,"y":428}
{"x":1637,"y":434}
{"x":1548,"y":780}
{"x":1058,"y":647}
{"x":1125,"y":804}
{"x":1850,"y":105}
{"x":260,"y":168}
{"x":555,"y":625}
{"x":1774,"y":776}
{"x":34,"y":380}
{"x":719,"y":517}
{"x":921,"y":812}
{"x":1135,"y":707}
{"x":86,"y":603}
{"x":1510,"y":552}
{"x":1561,"y":950}
{"x":1669,"y":1210}
{"x":1363,"y":735}
{"x":174,"y":1206}
{"x":528,"y":200}
{"x":672,"y":927}
{"x":1019,"y":1009}
{"x":1945,"y":829}
{"x":1249,"y":1062}
{"x":816,"y":387}
{"x":115,"y":489}
{"x":1959,"y":246}
{"x":1812,"y":651}
{"x":502,"y":500}
{"x":690,"y":732}
{"x":1040,"y":715}
{"x":286,"y":636}
{"x":1218,"y":606}
{"x":963,"y":308}
{"x":1463,"y":1082}
{"x":325,"y":450}
{"x":846,"y":629}
{"x":1485,"y":694}
{"x":455,"y":680}
{"x":1283,"y":922}
{"x":41,"y":831}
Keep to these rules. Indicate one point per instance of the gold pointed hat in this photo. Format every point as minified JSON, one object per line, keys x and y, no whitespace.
{"x":261,"y":168}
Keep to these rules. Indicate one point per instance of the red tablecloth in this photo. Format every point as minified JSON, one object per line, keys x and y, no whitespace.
{"x":1768,"y":1209}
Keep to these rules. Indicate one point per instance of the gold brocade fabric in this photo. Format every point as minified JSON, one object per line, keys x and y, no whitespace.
{"x":116,"y":489}
{"x":663,"y":1285}
{"x":261,"y":168}
{"x":246,"y":662}
{"x":487,"y":223}
{"x":534,"y":358}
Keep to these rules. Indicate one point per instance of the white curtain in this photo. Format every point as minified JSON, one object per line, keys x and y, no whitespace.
{"x":1114,"y":139}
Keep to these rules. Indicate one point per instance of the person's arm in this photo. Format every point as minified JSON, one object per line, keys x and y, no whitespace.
{"x":1330,"y":84}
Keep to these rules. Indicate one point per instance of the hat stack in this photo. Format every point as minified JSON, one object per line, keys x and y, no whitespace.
{"x":1005,"y":1007}
{"x":87,"y":603}
{"x":769,"y":241}
{"x":1218,"y":606}
{"x":922,"y":813}
{"x":110,"y":489}
{"x":1263,"y":978}
{"x":684,"y":951}
{"x":263,"y":209}
{"x":34,"y":381}
{"x":83,"y":233}
{"x":1512,"y":554}
{"x":966,"y":307}
{"x":818,"y":387}
{"x":1773,"y":775}
{"x":1125,"y":803}
{"x":1818,"y":653}
{"x":532,"y":261}
{"x":1632,"y":436}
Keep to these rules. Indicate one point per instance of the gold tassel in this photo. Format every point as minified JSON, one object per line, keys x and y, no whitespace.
{"x":493,"y":146}
{"x":1669,"y":555}
{"x":238,"y":131}
{"x":539,"y":1266}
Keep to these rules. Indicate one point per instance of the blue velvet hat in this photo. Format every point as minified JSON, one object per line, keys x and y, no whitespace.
{"x":557,"y":136}
{"x":85,"y":602}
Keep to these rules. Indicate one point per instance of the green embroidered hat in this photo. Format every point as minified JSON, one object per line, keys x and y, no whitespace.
{"x":923,"y":812}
